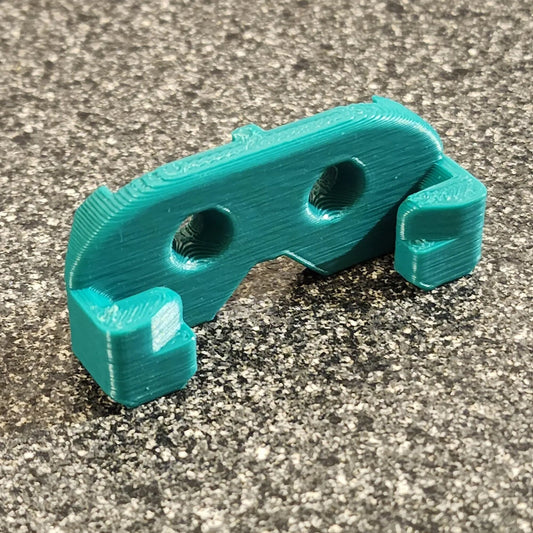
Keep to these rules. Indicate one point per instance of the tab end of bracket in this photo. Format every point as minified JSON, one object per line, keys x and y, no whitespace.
{"x":137,"y":349}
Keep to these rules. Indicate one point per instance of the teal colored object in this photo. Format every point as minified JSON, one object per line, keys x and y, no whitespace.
{"x":166,"y":251}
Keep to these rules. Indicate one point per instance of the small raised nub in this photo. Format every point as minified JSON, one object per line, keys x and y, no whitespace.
{"x":245,"y":133}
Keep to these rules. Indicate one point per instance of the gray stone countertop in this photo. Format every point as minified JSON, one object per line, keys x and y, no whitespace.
{"x":350,"y":403}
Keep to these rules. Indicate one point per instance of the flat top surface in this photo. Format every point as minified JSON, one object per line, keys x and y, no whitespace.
{"x":349,"y":403}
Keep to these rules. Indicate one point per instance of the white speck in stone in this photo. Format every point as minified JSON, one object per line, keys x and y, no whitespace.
{"x":403,"y":488}
{"x":262,"y":453}
{"x":341,"y":478}
{"x":213,"y":526}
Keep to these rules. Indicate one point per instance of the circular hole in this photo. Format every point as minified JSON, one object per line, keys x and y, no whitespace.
{"x":338,"y":187}
{"x":203,"y":236}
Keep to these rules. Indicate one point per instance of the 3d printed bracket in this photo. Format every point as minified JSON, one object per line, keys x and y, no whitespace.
{"x":166,"y":251}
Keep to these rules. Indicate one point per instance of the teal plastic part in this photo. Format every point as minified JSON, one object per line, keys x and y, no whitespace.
{"x":166,"y":251}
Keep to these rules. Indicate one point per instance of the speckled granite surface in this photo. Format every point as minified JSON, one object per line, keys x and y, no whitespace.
{"x":352,"y":403}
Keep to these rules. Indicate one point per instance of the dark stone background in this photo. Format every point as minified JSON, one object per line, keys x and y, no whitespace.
{"x":351,"y":403}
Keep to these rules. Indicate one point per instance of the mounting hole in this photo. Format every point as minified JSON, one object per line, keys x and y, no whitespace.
{"x":338,"y":187}
{"x":203,"y":236}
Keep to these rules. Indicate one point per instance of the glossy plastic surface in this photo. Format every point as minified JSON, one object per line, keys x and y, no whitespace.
{"x":166,"y":251}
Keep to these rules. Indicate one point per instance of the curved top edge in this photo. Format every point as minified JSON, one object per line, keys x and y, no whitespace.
{"x":250,"y":139}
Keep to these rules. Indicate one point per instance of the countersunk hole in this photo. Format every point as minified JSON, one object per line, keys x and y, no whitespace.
{"x":203,"y":235}
{"x":338,"y":187}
